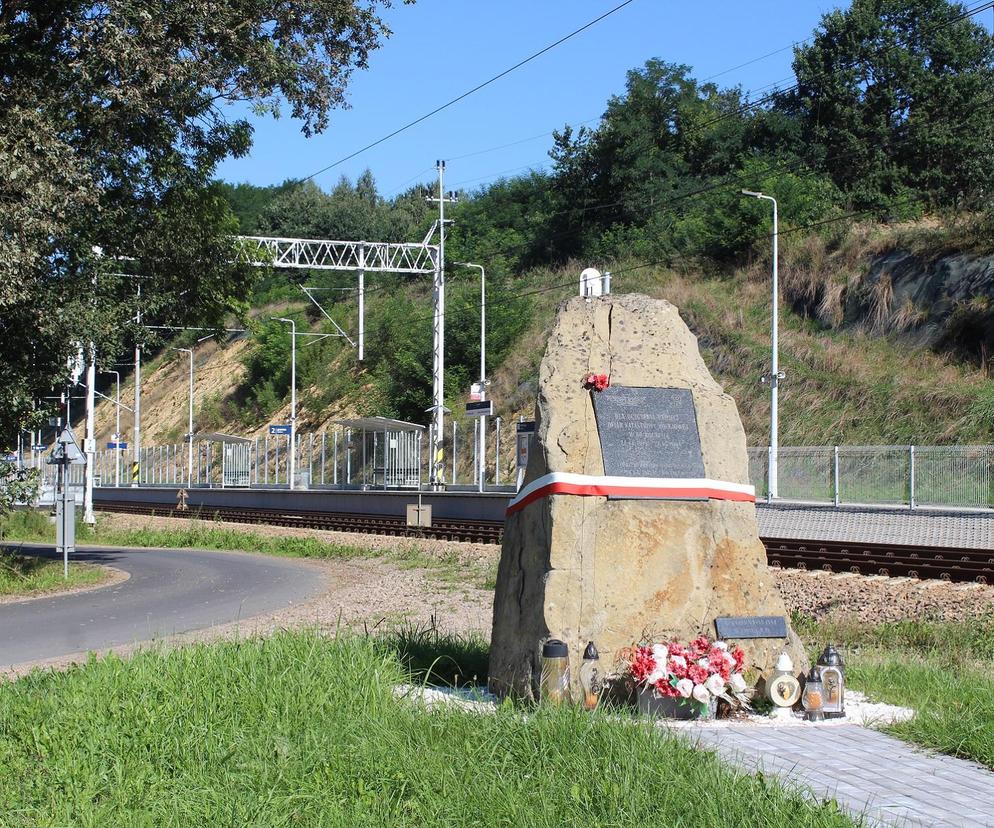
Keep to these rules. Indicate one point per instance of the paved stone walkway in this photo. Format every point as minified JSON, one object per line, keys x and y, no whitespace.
{"x":973,"y":530}
{"x":889,"y":782}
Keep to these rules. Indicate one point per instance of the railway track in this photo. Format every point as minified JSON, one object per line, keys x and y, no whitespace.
{"x":471,"y":531}
{"x":948,"y":564}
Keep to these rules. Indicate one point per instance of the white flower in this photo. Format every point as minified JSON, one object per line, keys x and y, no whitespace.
{"x":703,"y":662}
{"x":721,"y":645}
{"x":716,"y":684}
{"x":657,"y":674}
{"x":660,"y":652}
{"x":737,"y":683}
{"x":678,"y":661}
{"x":701,"y":694}
{"x":685,"y":687}
{"x":729,"y":659}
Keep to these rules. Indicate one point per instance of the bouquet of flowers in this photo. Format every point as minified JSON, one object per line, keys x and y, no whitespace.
{"x":700,"y":672}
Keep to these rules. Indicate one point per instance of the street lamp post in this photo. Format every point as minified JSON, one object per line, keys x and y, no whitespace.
{"x":293,"y":395}
{"x":117,"y":430}
{"x":482,"y":425}
{"x":189,"y":434}
{"x":775,"y":373}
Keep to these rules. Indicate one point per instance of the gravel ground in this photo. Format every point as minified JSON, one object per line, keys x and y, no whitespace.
{"x":375,"y":591}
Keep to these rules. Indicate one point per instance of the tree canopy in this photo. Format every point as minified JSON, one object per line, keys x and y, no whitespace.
{"x":113,"y":119}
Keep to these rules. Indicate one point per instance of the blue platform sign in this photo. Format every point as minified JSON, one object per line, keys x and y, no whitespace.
{"x":279,"y":429}
{"x":117,"y":445}
{"x":39,"y":447}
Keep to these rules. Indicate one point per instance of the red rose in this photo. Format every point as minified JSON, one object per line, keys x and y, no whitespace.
{"x":739,"y":657}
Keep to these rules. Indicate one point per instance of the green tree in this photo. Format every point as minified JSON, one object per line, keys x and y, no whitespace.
{"x":112,"y":121}
{"x":895,"y":100}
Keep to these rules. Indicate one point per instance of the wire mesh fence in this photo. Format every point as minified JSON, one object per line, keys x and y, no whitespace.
{"x":938,"y":476}
{"x":951,"y":476}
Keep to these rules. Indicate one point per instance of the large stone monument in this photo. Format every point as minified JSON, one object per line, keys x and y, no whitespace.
{"x":635,"y":519}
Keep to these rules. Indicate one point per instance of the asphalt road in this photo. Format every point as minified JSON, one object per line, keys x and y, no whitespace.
{"x":169,"y":591}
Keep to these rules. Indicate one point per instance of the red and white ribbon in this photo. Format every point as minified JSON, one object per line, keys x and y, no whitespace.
{"x":587,"y":485}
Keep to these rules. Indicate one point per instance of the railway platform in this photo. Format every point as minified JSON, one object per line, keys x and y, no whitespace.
{"x":919,"y":527}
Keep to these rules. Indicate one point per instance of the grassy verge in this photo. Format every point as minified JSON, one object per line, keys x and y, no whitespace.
{"x":944,"y":671}
{"x":22,"y":575}
{"x":28,"y":525}
{"x":300,"y":730}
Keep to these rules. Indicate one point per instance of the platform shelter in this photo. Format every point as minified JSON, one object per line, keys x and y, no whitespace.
{"x":382,"y":453}
{"x":236,"y":459}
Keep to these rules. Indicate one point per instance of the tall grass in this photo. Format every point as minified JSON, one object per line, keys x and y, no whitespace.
{"x":300,"y":730}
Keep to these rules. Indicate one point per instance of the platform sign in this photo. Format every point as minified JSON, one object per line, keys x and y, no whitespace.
{"x":525,"y":427}
{"x":117,"y":445}
{"x":39,"y":447}
{"x":279,"y":429}
{"x":483,"y":408}
{"x":10,"y":458}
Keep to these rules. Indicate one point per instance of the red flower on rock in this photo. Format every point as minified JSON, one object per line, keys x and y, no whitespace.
{"x":596,"y":382}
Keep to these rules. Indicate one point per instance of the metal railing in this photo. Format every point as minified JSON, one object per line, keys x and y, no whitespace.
{"x":944,"y":476}
{"x":899,"y":476}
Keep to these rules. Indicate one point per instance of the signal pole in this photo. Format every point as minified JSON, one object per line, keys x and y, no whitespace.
{"x":90,"y":443}
{"x":436,"y":476}
{"x":137,"y":437}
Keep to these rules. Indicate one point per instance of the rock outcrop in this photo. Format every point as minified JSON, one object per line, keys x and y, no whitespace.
{"x":615,"y":571}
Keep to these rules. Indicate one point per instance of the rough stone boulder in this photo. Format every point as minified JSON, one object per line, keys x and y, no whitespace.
{"x":614,"y":571}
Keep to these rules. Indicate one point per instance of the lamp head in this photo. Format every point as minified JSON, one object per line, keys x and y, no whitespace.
{"x":751,"y":193}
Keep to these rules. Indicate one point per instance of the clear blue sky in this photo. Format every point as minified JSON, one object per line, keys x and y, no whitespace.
{"x":441,"y":48}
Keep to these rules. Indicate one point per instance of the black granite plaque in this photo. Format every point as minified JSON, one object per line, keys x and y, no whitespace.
{"x":751,"y":626}
{"x":648,"y":432}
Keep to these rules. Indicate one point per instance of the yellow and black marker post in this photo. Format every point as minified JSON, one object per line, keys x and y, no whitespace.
{"x":134,"y":472}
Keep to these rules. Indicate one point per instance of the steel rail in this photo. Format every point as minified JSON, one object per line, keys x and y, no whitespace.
{"x":894,"y":560}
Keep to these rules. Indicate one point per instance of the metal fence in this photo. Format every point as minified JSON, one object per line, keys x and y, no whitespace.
{"x":951,"y":476}
{"x":336,"y":458}
{"x":911,"y":476}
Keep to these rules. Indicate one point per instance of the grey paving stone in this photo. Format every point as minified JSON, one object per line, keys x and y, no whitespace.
{"x":866,"y":771}
{"x":931,"y":528}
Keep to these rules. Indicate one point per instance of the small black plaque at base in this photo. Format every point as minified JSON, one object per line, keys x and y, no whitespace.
{"x":751,"y":626}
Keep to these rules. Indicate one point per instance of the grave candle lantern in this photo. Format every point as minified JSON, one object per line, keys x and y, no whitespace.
{"x":591,"y":680}
{"x":833,"y":679}
{"x":813,"y":697}
{"x":554,"y":685}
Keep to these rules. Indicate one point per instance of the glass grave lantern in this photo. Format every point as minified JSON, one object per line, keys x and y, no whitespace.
{"x":813,"y":696}
{"x":554,"y":684}
{"x":782,"y":689}
{"x":591,"y":679}
{"x":833,"y":677}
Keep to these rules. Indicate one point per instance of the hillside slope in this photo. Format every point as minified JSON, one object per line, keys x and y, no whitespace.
{"x":857,"y":371}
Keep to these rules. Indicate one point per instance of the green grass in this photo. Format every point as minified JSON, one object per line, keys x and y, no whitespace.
{"x":24,"y":575}
{"x":944,"y":671}
{"x":301,"y":730}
